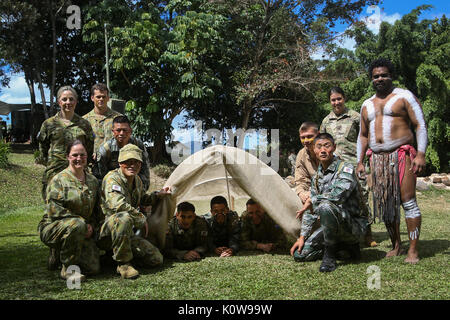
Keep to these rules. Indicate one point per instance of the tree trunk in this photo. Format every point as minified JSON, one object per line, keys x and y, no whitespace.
{"x":52,"y":88}
{"x":33,"y":130}
{"x":159,"y":153}
{"x":41,"y":89}
{"x":246,"y":111}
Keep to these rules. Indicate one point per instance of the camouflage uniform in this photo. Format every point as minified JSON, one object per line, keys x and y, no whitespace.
{"x":265,"y":232}
{"x":101,"y":125}
{"x":345,"y":130}
{"x":53,"y":139}
{"x":70,"y":206}
{"x":226,"y":234}
{"x":338,"y":203}
{"x":108,"y":155}
{"x":120,"y":205}
{"x":180,"y":241}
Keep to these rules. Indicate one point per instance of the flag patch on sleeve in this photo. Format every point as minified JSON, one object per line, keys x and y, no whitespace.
{"x":115,"y":187}
{"x":348,"y":170}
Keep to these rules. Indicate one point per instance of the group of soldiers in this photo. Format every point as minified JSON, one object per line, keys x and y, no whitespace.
{"x":334,"y":190}
{"x":97,"y":176}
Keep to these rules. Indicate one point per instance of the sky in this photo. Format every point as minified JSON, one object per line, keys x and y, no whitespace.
{"x":387,"y":10}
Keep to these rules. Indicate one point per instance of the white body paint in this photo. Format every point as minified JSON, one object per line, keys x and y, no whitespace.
{"x":411,"y":209}
{"x":390,"y":144}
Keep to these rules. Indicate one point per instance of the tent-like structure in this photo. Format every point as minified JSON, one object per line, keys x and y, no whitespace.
{"x":227,"y":171}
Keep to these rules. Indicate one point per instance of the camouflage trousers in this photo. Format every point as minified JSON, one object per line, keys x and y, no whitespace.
{"x":51,"y":170}
{"x":338,"y":226}
{"x":117,"y":234}
{"x":312,"y":249}
{"x":68,"y":236}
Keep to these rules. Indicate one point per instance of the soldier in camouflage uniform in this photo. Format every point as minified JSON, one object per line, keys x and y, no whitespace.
{"x":122,"y":196}
{"x":57,"y":131}
{"x":259,"y":231}
{"x":224,"y":228}
{"x":73,"y":216}
{"x":101,"y":116}
{"x":336,"y":201}
{"x":108,"y":153}
{"x":187,"y":235}
{"x":343,"y":124}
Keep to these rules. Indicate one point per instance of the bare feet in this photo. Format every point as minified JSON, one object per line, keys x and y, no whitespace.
{"x":412,"y":257}
{"x":394,"y":252}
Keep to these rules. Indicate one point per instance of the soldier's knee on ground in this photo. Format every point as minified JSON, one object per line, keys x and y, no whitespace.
{"x":146,"y":253}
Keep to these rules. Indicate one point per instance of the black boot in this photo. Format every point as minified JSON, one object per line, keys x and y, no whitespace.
{"x":329,"y":259}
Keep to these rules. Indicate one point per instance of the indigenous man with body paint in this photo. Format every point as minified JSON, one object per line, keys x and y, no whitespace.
{"x":385,"y":134}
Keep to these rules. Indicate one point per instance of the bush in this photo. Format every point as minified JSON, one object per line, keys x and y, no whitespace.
{"x":5,"y":150}
{"x":163,"y":170}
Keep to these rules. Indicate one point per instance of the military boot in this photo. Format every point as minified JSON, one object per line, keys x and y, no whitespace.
{"x":53,"y":262}
{"x":72,"y":276}
{"x":329,"y":259}
{"x":127,"y":271}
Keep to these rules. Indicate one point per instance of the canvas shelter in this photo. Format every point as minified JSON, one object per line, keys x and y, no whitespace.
{"x":230,"y":172}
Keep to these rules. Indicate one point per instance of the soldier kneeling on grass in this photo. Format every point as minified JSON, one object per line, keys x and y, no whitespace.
{"x":337,"y":216}
{"x":122,"y":195}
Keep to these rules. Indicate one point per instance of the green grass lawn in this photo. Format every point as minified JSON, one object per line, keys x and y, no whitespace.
{"x":249,"y":275}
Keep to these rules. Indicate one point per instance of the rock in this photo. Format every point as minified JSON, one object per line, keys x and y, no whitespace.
{"x":437,"y":180}
{"x":421,"y":185}
{"x":446,"y":181}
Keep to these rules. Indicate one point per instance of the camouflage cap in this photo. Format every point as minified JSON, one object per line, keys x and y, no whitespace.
{"x":130,"y":151}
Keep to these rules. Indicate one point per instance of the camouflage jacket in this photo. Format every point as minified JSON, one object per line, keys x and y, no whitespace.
{"x":224,"y":235}
{"x":67,"y":197}
{"x":54,"y":137}
{"x":265,"y":232}
{"x":345,"y":131}
{"x":118,"y":197}
{"x":337,"y":184}
{"x":180,"y":241}
{"x":108,"y":155}
{"x":101,"y":125}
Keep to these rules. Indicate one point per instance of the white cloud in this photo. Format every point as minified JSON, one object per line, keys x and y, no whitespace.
{"x":375,"y":16}
{"x":18,"y":91}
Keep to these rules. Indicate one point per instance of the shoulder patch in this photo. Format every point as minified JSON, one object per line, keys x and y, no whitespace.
{"x":348,"y":170}
{"x":204,"y":233}
{"x":115,"y":187}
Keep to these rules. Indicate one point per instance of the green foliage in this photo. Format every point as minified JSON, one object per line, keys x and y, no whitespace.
{"x":5,"y":150}
{"x":163,"y":170}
